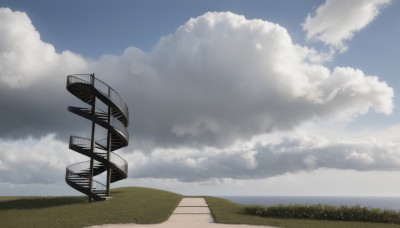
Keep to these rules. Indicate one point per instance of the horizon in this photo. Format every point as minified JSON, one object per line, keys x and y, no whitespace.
{"x":255,"y":98}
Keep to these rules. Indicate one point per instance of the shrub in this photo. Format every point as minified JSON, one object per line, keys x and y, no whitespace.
{"x":326,"y":212}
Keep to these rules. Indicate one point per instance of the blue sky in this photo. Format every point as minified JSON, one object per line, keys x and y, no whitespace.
{"x":85,"y":26}
{"x":304,"y":111}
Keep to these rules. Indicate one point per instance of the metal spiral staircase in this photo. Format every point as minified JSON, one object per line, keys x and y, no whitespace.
{"x":102,"y":158}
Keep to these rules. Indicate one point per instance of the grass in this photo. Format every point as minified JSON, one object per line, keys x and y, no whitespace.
{"x":225,"y":211}
{"x":128,"y":205}
{"x":136,"y":205}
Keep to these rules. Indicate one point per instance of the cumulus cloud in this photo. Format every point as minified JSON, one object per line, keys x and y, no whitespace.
{"x":43,"y":161}
{"x":281,"y":154}
{"x":221,"y":78}
{"x":35,"y":161}
{"x":336,"y":21}
{"x":24,"y":57}
{"x":217,"y":79}
{"x":32,"y":81}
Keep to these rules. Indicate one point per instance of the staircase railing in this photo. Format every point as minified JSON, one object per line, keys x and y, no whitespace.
{"x":100,"y":87}
{"x":115,"y":159}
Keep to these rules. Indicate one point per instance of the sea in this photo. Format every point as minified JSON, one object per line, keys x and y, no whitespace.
{"x":382,"y":202}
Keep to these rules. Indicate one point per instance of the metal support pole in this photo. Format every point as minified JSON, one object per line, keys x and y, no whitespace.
{"x":108,"y":149}
{"x":92,"y":146}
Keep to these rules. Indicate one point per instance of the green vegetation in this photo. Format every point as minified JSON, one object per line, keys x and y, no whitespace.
{"x":138,"y":205}
{"x":225,"y":211}
{"x":128,"y":205}
{"x":326,"y":212}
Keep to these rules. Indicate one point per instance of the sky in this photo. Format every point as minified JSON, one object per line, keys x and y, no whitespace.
{"x":225,"y":97}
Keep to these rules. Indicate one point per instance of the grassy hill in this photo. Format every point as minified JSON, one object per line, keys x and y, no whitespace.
{"x":128,"y":205}
{"x":135,"y":205}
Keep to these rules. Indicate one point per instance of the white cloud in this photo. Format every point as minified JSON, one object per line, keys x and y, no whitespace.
{"x":43,"y":161}
{"x":24,"y":57}
{"x":32,"y":161}
{"x":321,"y":182}
{"x":336,"y":21}
{"x":32,"y":80}
{"x":220,"y":78}
{"x":273,"y":155}
{"x":195,"y":99}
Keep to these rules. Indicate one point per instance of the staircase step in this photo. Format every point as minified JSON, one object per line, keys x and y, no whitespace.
{"x":78,"y":179}
{"x":81,"y":182}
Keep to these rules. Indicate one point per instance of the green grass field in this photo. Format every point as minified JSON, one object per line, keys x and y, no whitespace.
{"x":225,"y":211}
{"x":134,"y":205}
{"x":128,"y":205}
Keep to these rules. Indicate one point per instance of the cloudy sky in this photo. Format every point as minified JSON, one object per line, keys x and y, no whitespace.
{"x":225,"y":97}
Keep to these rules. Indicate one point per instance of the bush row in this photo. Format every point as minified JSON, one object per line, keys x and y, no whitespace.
{"x":326,"y":212}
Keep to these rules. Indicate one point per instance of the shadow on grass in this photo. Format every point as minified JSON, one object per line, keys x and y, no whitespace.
{"x":37,"y":203}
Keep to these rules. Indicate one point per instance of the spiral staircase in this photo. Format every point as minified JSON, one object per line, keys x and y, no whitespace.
{"x":114,"y":121}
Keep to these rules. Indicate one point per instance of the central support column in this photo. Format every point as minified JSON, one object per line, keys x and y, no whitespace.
{"x":92,"y":146}
{"x":108,"y":149}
